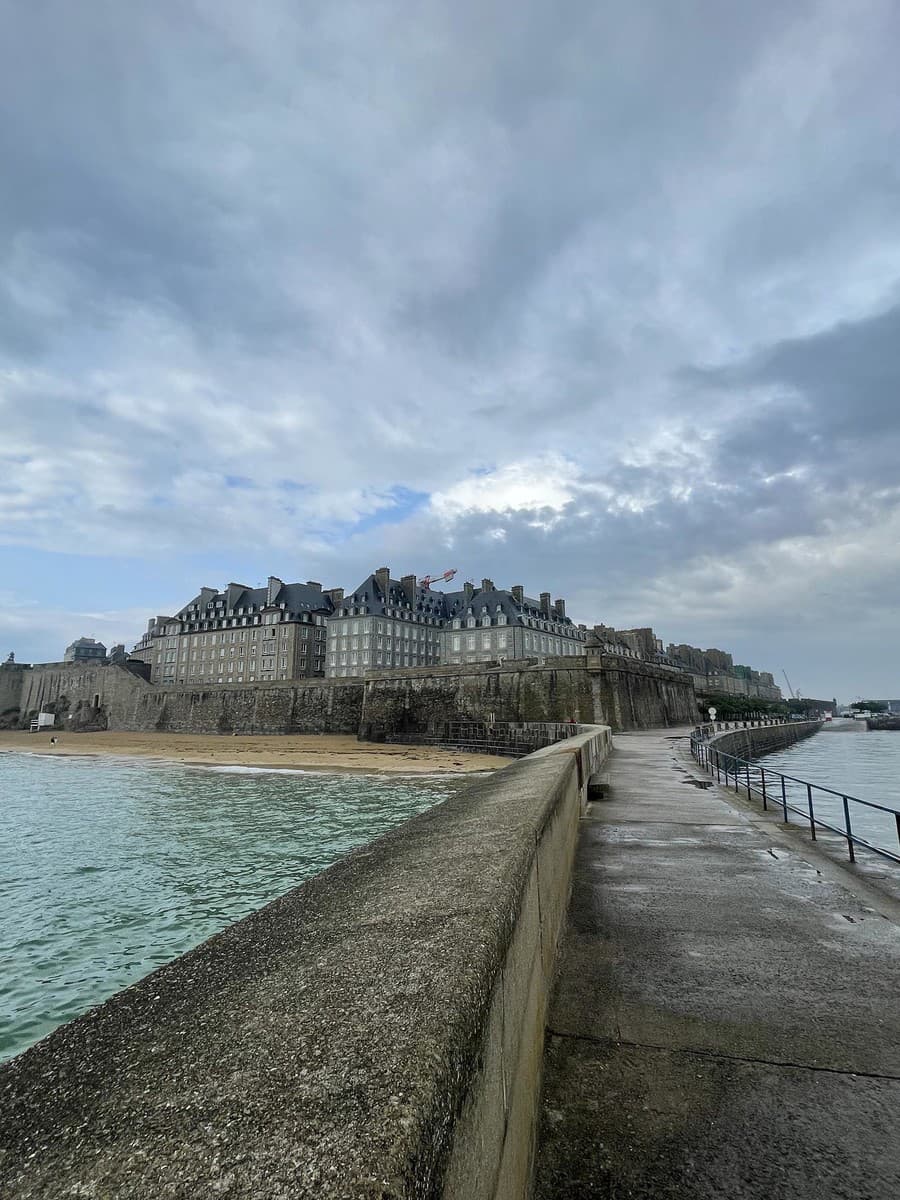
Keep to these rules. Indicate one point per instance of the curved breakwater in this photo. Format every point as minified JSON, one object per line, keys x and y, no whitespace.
{"x":862,"y":764}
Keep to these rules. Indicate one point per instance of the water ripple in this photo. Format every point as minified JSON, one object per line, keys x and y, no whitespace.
{"x":110,"y":868}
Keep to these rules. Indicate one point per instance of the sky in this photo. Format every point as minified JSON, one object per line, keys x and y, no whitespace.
{"x":602,"y":298}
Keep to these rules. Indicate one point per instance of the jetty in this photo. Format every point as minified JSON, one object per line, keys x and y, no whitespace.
{"x":593,"y":973}
{"x":725,"y":1019}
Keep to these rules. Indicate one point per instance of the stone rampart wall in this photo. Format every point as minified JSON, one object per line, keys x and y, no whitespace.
{"x":417,"y":702}
{"x":378,"y":1031}
{"x":12,"y":676}
{"x":629,"y":694}
{"x":763,"y":739}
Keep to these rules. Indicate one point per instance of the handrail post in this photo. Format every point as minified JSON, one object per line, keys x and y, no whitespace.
{"x":812,"y":819}
{"x":763,"y":781}
{"x":849,"y":831}
{"x":897,"y":820}
{"x":747,"y":770}
{"x":784,"y":800}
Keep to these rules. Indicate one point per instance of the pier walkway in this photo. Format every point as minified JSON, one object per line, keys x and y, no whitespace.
{"x":726,"y":1018}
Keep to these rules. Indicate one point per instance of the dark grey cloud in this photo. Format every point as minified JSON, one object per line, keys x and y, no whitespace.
{"x":615,"y":286}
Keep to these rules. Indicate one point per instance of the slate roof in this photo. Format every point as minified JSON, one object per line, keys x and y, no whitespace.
{"x":446,"y":606}
{"x":296,"y":597}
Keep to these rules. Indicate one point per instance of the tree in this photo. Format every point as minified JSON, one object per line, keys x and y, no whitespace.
{"x":874,"y":706}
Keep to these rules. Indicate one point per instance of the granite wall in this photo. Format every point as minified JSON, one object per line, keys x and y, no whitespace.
{"x":419,"y":702}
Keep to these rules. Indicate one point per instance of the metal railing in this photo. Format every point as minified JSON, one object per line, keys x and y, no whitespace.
{"x":507,"y":738}
{"x":791,"y":795}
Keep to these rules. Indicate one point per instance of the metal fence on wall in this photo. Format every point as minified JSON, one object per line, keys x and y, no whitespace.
{"x":817,"y":806}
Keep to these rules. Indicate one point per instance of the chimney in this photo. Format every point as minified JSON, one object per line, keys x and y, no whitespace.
{"x":275,"y":586}
{"x":335,"y":595}
{"x":518,"y":593}
{"x":408,"y":583}
{"x":469,"y":590}
{"x":545,"y":603}
{"x":383,"y":581}
{"x":560,"y":610}
{"x":313,"y":583}
{"x":487,"y":585}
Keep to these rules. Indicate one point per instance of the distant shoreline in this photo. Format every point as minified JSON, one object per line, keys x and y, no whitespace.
{"x":323,"y":754}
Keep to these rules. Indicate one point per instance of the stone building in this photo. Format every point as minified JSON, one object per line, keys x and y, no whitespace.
{"x":387,"y":624}
{"x":85,"y":649}
{"x":491,"y":623}
{"x":241,"y":635}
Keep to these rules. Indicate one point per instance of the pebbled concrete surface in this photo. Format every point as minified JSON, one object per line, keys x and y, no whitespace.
{"x":725,"y":1020}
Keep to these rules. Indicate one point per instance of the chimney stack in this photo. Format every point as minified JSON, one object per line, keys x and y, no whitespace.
{"x":518,"y":593}
{"x":545,"y":604}
{"x":408,"y":583}
{"x":383,"y":580}
{"x":469,"y":590}
{"x":313,"y":583}
{"x":275,"y":586}
{"x":560,"y":609}
{"x":487,"y":585}
{"x":335,"y":595}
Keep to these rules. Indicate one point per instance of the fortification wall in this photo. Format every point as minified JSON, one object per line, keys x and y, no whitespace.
{"x":417,"y":702}
{"x":762,"y":739}
{"x":421,"y":702}
{"x":12,"y":676}
{"x":378,"y":1031}
{"x":308,"y":706}
{"x":629,"y":694}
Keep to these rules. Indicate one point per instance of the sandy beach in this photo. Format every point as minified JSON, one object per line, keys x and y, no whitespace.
{"x":309,"y":751}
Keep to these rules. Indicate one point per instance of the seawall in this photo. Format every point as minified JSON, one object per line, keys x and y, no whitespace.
{"x":416,"y":702}
{"x":377,"y":1032}
{"x":751,"y":742}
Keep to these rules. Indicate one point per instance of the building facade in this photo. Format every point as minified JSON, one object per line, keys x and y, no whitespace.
{"x":388,"y":624}
{"x":240,"y":635}
{"x":85,"y":649}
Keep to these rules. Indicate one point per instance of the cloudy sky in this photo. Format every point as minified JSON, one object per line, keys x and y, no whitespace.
{"x":601,"y":297}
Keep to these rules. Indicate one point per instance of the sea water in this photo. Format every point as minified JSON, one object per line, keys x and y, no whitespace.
{"x":111,"y":867}
{"x":852,"y":761}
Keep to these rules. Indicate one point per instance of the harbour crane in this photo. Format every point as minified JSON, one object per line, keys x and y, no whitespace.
{"x":793,"y":695}
{"x":445,"y":577}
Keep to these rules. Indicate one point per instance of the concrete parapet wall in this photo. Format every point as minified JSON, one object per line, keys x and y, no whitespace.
{"x":751,"y":742}
{"x":377,"y":1032}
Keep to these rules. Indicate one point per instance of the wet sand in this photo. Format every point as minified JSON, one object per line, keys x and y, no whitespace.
{"x":327,"y":752}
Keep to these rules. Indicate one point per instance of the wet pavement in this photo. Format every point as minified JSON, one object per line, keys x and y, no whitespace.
{"x":726,"y":1017}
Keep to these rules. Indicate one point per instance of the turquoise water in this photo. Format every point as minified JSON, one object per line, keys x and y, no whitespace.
{"x":109,"y":868}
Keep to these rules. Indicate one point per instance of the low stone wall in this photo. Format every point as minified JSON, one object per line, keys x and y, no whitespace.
{"x":752,"y":742}
{"x":377,"y":1032}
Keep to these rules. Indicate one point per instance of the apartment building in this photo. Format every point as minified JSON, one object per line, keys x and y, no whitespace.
{"x":488,"y":623}
{"x":387,"y":624}
{"x":240,"y":635}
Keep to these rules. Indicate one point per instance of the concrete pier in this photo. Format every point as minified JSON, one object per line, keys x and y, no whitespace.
{"x":725,"y":1020}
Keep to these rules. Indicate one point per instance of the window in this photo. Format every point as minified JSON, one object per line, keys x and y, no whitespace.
{"x":470,"y":641}
{"x":456,"y":641}
{"x":485,"y":641}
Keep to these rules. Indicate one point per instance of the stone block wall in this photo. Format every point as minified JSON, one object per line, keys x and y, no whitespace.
{"x":418,"y":702}
{"x":421,"y":702}
{"x":630,"y":694}
{"x":762,"y":739}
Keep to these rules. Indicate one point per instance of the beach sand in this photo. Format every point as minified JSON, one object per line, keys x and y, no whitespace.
{"x":326,"y":752}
